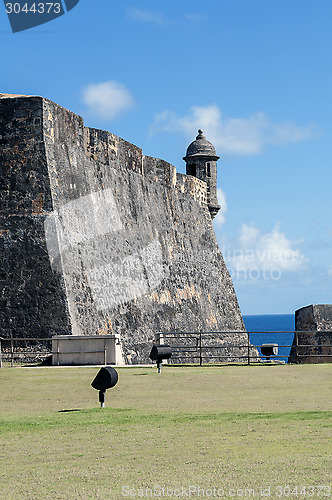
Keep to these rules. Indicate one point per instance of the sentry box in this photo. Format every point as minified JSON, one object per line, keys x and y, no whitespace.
{"x":160,"y":352}
{"x":269,"y":350}
{"x":106,"y":378}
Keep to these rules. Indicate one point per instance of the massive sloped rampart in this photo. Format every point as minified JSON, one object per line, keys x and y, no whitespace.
{"x":98,"y":238}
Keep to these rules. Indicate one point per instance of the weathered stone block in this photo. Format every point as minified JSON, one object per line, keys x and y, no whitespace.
{"x":313,"y":339}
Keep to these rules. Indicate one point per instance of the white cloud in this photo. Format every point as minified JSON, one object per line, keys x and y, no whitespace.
{"x":267,"y":251}
{"x":244,"y":136}
{"x":106,"y":100}
{"x":147,"y":16}
{"x":221,"y":217}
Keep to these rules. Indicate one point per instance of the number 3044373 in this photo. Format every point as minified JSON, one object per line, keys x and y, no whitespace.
{"x":35,"y":8}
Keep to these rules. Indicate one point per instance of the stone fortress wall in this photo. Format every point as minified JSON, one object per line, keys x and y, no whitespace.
{"x":97,"y":238}
{"x":313,"y":336}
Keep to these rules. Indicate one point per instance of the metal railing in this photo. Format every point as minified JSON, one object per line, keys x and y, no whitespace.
{"x":201,"y":349}
{"x":15,"y":349}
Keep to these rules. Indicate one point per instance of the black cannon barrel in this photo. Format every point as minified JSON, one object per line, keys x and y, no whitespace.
{"x":160,"y":352}
{"x":269,"y":349}
{"x":106,"y":378}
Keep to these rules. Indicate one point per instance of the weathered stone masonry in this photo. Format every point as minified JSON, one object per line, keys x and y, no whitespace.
{"x":313,"y":339}
{"x":97,"y":238}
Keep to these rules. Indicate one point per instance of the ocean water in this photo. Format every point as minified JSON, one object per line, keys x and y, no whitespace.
{"x":263,"y":326}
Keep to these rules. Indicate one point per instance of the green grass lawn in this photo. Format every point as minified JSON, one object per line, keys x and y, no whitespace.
{"x":233,"y":428}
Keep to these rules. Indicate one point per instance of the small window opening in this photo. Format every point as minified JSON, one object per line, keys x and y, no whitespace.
{"x":208,"y":169}
{"x":192,"y":169}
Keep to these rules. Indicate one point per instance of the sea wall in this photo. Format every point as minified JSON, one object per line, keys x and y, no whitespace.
{"x":99,"y":239}
{"x":313,"y":338}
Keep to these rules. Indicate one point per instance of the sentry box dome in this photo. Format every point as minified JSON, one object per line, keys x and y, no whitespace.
{"x":160,"y":352}
{"x":269,"y":350}
{"x":106,"y":378}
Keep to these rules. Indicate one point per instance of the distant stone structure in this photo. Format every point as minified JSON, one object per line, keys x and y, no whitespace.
{"x":313,"y":338}
{"x":97,"y":238}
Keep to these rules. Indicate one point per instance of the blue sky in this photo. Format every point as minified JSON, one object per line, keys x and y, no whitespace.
{"x":255,"y":75}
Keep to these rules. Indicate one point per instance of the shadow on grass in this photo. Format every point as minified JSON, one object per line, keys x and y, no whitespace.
{"x":74,"y":409}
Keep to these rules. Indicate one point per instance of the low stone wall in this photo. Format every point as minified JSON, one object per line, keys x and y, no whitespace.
{"x":86,"y":350}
